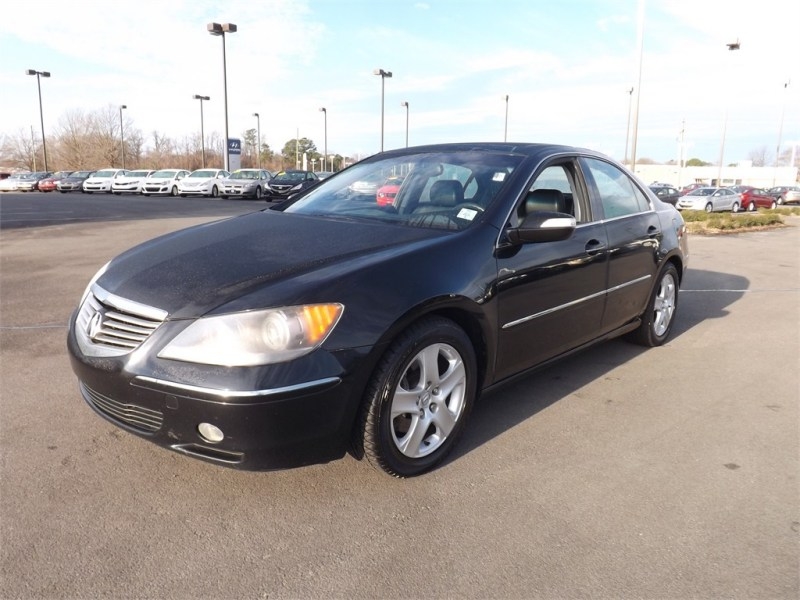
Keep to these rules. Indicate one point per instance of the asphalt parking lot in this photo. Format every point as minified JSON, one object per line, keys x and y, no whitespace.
{"x":618,"y":473}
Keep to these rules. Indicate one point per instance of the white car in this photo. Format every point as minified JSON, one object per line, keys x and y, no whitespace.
{"x":203,"y":182}
{"x":101,"y":180}
{"x":710,"y":199}
{"x":131,"y":182}
{"x":246,"y":183}
{"x":9,"y":184}
{"x":163,"y":182}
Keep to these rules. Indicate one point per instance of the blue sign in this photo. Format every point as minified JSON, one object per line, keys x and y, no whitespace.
{"x":234,"y":146}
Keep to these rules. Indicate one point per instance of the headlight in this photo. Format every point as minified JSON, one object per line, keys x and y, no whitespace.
{"x":297,"y":187}
{"x":260,"y":337}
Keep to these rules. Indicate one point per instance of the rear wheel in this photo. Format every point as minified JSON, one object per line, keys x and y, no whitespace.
{"x":751,"y":207}
{"x":419,"y":399}
{"x":657,"y":319}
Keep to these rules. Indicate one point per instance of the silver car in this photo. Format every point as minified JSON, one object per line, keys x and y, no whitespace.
{"x":245,"y":183}
{"x":711,"y":199}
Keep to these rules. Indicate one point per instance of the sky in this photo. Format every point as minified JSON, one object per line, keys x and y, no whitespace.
{"x":567,"y":68}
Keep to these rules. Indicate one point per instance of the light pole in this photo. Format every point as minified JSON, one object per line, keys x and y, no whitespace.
{"x":505,"y":130}
{"x":258,"y":146}
{"x":324,"y":112}
{"x":41,"y":113}
{"x":221,"y":30}
{"x":202,"y":131}
{"x":384,"y":75}
{"x":122,"y":135}
{"x":731,"y":47}
{"x":406,"y":106}
{"x":628,"y":130}
{"x":780,"y":128}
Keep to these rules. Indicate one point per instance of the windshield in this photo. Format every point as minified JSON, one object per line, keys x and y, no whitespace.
{"x":104,"y":174}
{"x":137,"y":174}
{"x":289,"y":177}
{"x":702,"y":192}
{"x":434,"y":190}
{"x":244,"y":175}
{"x":83,"y":174}
{"x":204,"y":174}
{"x":164,"y":173}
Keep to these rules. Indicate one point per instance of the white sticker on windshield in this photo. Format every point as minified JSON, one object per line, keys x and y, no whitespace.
{"x":468,"y":214}
{"x":499,"y":176}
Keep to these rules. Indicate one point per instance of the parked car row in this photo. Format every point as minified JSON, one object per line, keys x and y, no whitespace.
{"x":215,"y":183}
{"x":735,"y":198}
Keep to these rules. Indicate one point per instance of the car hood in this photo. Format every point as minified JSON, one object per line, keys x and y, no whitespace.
{"x":193,"y":271}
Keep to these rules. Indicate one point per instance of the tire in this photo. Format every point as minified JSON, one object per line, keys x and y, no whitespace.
{"x":259,"y":193}
{"x":773,"y":206}
{"x":751,"y":207}
{"x":658,"y":318}
{"x":735,"y":207}
{"x":709,"y":208}
{"x":419,"y":399}
{"x":780,"y":200}
{"x":174,"y":191}
{"x":214,"y":191}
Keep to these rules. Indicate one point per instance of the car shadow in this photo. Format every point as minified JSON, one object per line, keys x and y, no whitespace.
{"x":704,"y":295}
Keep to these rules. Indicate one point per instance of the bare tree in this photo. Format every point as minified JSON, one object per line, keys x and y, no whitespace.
{"x":758,"y":156}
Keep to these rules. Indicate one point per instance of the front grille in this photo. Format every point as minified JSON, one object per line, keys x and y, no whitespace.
{"x":113,"y":326}
{"x":131,"y":415}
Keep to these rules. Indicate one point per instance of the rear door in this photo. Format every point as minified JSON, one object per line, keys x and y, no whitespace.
{"x":634,"y":238}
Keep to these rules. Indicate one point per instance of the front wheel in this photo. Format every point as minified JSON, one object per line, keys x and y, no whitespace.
{"x":735,"y":207}
{"x":657,"y":319}
{"x":419,"y":399}
{"x":174,"y":191}
{"x":751,"y":207}
{"x":214,"y":192}
{"x":709,"y":207}
{"x":259,"y":193}
{"x":773,"y":205}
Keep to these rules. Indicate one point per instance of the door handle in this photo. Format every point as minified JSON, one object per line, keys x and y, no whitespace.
{"x":594,"y":247}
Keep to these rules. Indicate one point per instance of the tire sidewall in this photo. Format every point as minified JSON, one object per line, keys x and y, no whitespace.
{"x":654,"y":338}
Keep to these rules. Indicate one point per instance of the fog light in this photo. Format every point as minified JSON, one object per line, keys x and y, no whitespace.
{"x":210,"y":433}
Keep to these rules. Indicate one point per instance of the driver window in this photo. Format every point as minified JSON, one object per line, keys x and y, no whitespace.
{"x":553,"y":190}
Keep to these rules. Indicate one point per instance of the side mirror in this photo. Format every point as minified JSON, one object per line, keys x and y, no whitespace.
{"x":542,"y":226}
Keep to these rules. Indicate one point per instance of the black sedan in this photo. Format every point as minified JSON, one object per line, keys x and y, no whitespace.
{"x":288,"y":183}
{"x":330,"y":322}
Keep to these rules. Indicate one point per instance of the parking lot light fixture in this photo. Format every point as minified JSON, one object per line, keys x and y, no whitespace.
{"x":202,"y":131}
{"x":221,"y":30}
{"x":324,"y":112}
{"x":122,"y":135}
{"x":383,"y":74}
{"x":258,"y":140}
{"x":40,"y":74}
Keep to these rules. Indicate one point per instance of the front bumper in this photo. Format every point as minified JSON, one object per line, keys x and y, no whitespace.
{"x":274,"y":417}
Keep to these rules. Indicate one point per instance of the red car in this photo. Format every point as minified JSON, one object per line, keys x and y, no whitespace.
{"x":691,"y":187}
{"x":48,"y":184}
{"x":754,"y":198}
{"x":388,"y":191}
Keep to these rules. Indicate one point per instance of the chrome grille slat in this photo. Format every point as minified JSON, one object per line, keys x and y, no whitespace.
{"x":122,"y":325}
{"x":132,"y":415}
